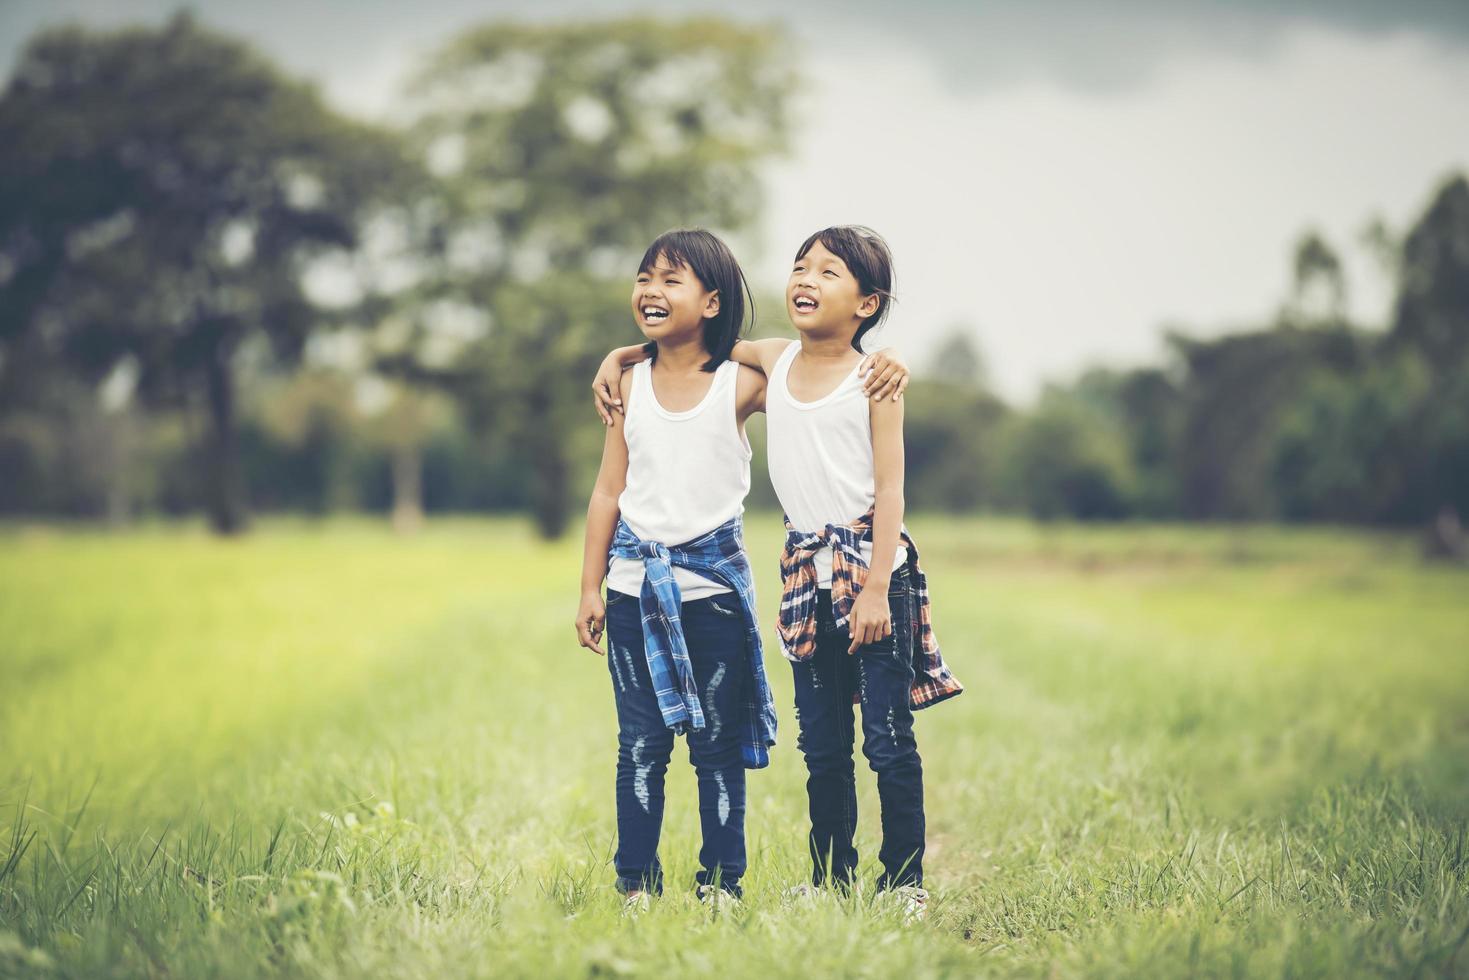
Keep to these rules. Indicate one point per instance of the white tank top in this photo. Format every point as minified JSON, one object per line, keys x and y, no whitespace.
{"x":820,"y":456}
{"x":687,"y":473}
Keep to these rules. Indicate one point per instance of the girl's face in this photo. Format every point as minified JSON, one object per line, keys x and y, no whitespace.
{"x":669,"y":300}
{"x":823,"y":294}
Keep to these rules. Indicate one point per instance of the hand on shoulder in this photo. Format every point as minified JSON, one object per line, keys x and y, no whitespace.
{"x":886,"y":373}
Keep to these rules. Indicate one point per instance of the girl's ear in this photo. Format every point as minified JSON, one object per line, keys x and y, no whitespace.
{"x":869,"y":305}
{"x":711,"y":308}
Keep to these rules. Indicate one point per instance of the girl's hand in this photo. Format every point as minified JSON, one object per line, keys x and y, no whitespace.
{"x":606,"y":386}
{"x":590,"y":619}
{"x":887,"y":374}
{"x":871,"y":619}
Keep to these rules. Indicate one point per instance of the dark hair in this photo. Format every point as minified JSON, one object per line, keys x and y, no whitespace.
{"x":712,"y":261}
{"x":869,"y":260}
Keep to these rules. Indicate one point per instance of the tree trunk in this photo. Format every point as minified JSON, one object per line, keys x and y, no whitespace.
{"x":225,"y":490}
{"x":550,"y":469}
{"x":407,"y":488}
{"x":117,"y":456}
{"x":551,"y":477}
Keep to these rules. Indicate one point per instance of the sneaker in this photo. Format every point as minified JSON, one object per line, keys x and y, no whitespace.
{"x":717,"y":899}
{"x":635,"y":904}
{"x":803,"y":894}
{"x":912,"y":900}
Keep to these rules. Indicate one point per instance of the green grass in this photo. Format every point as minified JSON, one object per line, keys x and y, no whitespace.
{"x":327,"y":751}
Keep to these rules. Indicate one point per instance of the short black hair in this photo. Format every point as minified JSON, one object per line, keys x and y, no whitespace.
{"x":712,"y":261}
{"x":869,"y":260}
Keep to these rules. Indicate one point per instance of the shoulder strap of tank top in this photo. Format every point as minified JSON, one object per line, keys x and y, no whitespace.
{"x":640,"y":385}
{"x":731,"y":412}
{"x":783,"y":362}
{"x":783,"y":365}
{"x":728,"y":374}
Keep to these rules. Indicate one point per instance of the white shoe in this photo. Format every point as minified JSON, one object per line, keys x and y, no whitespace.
{"x":803,"y":894}
{"x":717,"y":899}
{"x":636,"y":903}
{"x":912,"y":900}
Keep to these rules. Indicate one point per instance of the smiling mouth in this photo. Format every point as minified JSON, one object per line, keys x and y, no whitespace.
{"x":654,"y":314}
{"x":805,"y":304}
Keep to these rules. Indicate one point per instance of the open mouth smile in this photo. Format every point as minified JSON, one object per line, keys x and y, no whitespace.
{"x":805,"y":304}
{"x":654,"y":314}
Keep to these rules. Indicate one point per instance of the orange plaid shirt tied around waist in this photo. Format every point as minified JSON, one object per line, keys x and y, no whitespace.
{"x":932,"y":680}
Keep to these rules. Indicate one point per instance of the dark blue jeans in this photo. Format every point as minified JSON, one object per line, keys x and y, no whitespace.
{"x":880,"y":675}
{"x":714,"y":630}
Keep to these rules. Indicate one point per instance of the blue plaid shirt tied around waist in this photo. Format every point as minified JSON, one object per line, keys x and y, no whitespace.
{"x":718,"y":555}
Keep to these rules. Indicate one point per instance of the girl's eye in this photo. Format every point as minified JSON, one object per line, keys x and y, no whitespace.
{"x":673,"y":282}
{"x":830,"y":272}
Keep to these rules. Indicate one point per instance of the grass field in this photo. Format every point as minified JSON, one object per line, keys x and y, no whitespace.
{"x":327,"y":751}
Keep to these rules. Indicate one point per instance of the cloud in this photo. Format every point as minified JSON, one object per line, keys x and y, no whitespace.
{"x":1111,"y":47}
{"x":1084,"y":44}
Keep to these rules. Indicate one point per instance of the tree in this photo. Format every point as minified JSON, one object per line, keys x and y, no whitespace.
{"x":160,"y":195}
{"x":1318,"y":285}
{"x":1066,"y":460}
{"x":951,"y":443}
{"x":958,"y":360}
{"x":1145,"y":405}
{"x":1235,"y":392}
{"x":1432,"y":322}
{"x":1432,"y":312}
{"x":951,"y":430}
{"x":409,"y":416}
{"x":301,"y":436}
{"x":1346,"y":447}
{"x":562,"y":151}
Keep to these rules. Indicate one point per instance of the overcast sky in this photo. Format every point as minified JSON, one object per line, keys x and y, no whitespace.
{"x":1064,"y":179}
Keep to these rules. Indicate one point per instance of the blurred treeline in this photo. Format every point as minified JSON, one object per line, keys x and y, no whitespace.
{"x":219,"y":295}
{"x":1307,"y":417}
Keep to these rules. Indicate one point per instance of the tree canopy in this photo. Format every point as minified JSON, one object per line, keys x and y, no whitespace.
{"x":160,"y":195}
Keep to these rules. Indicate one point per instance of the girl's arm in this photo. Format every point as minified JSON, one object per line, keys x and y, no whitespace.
{"x":609,"y":379}
{"x":760,"y":354}
{"x":887,"y":373}
{"x":871,"y":618}
{"x":602,"y":513}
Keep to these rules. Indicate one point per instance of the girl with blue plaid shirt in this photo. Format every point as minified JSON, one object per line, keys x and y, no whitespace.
{"x":664,"y":531}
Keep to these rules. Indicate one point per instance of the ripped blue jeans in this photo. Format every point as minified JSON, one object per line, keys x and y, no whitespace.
{"x":715,"y":634}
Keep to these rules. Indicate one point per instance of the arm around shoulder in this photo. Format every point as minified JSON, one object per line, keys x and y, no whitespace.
{"x":885,"y":373}
{"x":609,"y":374}
{"x":760,"y":354}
